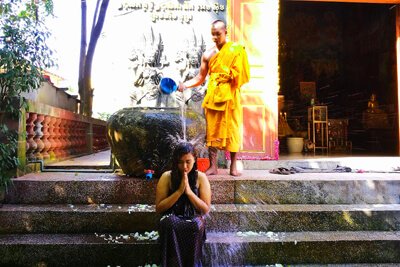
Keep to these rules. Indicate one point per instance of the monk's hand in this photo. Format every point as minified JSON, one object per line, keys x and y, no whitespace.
{"x":181,"y":87}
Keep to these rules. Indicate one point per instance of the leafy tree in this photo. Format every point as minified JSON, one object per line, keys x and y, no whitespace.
{"x":103,"y":115}
{"x":87,"y":53}
{"x":23,"y":55}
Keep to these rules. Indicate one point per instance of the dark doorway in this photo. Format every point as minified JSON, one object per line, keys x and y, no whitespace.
{"x":349,"y":51}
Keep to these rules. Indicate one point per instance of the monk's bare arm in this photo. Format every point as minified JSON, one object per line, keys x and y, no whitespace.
{"x":201,"y":76}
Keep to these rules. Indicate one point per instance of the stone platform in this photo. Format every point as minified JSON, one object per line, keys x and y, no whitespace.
{"x":303,"y":219}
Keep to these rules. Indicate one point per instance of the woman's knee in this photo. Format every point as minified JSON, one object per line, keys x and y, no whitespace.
{"x":167,"y":221}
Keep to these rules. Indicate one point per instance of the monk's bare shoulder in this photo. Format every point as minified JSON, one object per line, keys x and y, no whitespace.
{"x":208,"y":54}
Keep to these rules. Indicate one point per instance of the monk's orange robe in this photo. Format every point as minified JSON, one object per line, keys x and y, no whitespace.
{"x":228,"y":70}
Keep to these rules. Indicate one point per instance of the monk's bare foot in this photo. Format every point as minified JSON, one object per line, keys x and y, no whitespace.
{"x":234,"y":169}
{"x":235,"y":173}
{"x":211,"y":171}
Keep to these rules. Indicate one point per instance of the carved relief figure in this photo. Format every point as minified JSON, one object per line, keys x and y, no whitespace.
{"x":192,"y":55}
{"x":148,"y":62}
{"x":136,"y":60}
{"x":181,"y":62}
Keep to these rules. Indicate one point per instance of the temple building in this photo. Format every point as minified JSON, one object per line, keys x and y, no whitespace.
{"x":323,"y":73}
{"x":340,"y":55}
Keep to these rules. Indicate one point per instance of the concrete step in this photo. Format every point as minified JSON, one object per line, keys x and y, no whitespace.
{"x":82,"y":218}
{"x":254,"y":187}
{"x":226,"y":249}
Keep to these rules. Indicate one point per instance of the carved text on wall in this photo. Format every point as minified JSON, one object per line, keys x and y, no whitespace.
{"x":171,"y":11}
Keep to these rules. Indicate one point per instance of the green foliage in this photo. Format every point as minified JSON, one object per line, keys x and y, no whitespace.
{"x":23,"y":55}
{"x":103,"y":115}
{"x":8,"y":150}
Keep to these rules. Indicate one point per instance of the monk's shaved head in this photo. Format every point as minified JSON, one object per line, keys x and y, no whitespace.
{"x":219,"y":24}
{"x":218,"y":33}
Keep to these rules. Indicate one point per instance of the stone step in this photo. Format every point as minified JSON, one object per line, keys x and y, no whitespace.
{"x":81,"y":218}
{"x":226,"y":249}
{"x":257,"y":186}
{"x":87,"y":188}
{"x":319,"y":188}
{"x":295,"y":218}
{"x":337,"y":265}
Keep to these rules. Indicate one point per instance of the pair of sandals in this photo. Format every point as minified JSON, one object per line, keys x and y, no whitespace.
{"x":283,"y":171}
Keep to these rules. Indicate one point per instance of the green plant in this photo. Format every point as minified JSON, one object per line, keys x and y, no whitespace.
{"x":104,"y":115}
{"x":23,"y":55}
{"x":8,"y":160}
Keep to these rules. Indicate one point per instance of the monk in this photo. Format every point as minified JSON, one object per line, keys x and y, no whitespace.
{"x":228,"y":67}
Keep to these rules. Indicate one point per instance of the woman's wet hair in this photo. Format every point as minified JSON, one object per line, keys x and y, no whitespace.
{"x":182,"y":149}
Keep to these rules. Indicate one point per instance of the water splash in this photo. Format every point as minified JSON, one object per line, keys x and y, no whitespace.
{"x":183,"y":118}
{"x":198,"y":143}
{"x":227,"y":253}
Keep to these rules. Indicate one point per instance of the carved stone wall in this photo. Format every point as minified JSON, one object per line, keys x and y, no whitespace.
{"x":155,"y":40}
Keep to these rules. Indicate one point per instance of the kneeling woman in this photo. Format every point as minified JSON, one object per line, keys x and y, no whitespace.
{"x":183,"y":196}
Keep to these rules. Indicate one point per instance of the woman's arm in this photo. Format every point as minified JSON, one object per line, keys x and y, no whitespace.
{"x":202,"y":203}
{"x":163,"y":201}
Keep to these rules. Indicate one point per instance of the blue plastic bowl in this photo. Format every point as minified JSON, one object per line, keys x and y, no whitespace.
{"x":168,"y":85}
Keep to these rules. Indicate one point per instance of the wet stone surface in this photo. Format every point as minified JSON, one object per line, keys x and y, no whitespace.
{"x":317,"y":191}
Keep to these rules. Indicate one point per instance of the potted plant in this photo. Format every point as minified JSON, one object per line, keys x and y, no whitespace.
{"x":295,"y":142}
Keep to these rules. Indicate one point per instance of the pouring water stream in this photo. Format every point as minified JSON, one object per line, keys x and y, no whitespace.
{"x":183,"y":119}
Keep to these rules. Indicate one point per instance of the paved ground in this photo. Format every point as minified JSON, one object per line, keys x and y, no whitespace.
{"x":96,"y":159}
{"x":312,"y":163}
